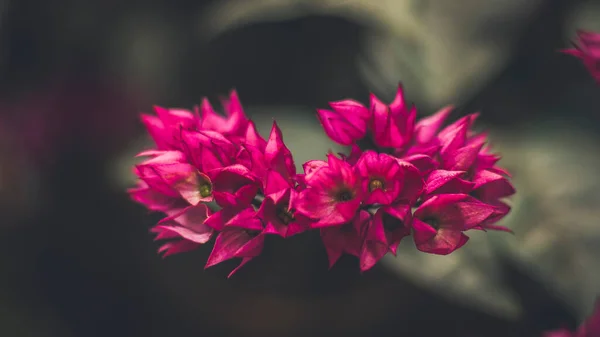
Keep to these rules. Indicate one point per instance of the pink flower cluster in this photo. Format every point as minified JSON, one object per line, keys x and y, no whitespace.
{"x":587,"y":48}
{"x":590,"y":328}
{"x":214,"y":175}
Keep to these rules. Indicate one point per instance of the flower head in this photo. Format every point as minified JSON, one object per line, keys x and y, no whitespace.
{"x":333,"y":193}
{"x":241,"y":237}
{"x":279,"y":214}
{"x":345,"y":238}
{"x":233,"y":124}
{"x":389,"y":226}
{"x":381,"y":177}
{"x":438,"y":224}
{"x":392,"y":125}
{"x":346,"y":122}
{"x":168,"y":174}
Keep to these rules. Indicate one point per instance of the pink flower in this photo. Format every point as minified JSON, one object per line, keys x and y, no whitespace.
{"x":164,"y":127}
{"x":234,"y":186}
{"x":278,"y":213}
{"x":587,"y":48}
{"x":438,"y":224}
{"x":333,"y":193}
{"x":186,"y":228}
{"x":589,"y":328}
{"x":381,"y":177}
{"x":347,"y":123}
{"x":392,"y":125}
{"x":389,"y":226}
{"x":234,"y":123}
{"x":208,"y":150}
{"x":345,"y":238}
{"x":167,"y":173}
{"x":241,"y":237}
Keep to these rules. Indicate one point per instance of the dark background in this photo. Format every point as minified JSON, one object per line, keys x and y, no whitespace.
{"x":77,"y":257}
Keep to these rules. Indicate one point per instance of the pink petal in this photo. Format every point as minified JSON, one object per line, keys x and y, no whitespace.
{"x":347,"y":123}
{"x":234,"y":243}
{"x":150,"y":198}
{"x":424,"y":163}
{"x":491,"y":186}
{"x":427,"y":128}
{"x":457,"y":211}
{"x":449,"y":182}
{"x":253,"y":138}
{"x":413,"y":183}
{"x":385,"y":131}
{"x":277,"y":156}
{"x":461,"y":159}
{"x":157,"y":130}
{"x":176,"y":247}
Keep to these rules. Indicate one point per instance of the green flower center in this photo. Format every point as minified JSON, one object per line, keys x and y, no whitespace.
{"x":205,"y":190}
{"x":375,"y":184}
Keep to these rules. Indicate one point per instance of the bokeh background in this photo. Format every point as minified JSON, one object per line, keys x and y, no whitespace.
{"x":77,"y":258}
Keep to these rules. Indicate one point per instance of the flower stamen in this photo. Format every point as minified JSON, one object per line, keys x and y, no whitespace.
{"x":205,"y":190}
{"x":375,"y":184}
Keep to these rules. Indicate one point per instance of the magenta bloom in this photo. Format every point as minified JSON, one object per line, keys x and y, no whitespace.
{"x":345,"y":238}
{"x":589,"y":328}
{"x":279,"y":215}
{"x":164,"y":126}
{"x":241,"y":237}
{"x":392,"y":125}
{"x":233,"y":124}
{"x":347,"y":123}
{"x":587,"y":48}
{"x":381,"y":177}
{"x":418,"y":180}
{"x":389,"y":226}
{"x":438,"y":224}
{"x":185,"y":229}
{"x":167,"y":173}
{"x":333,"y":194}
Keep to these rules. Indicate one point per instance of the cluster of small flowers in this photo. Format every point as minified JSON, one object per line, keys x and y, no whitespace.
{"x":587,"y":48}
{"x":589,"y":328}
{"x":214,"y":175}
